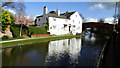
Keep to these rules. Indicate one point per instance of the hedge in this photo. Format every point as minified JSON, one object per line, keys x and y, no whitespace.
{"x":5,"y":37}
{"x":15,"y":30}
{"x":36,"y":30}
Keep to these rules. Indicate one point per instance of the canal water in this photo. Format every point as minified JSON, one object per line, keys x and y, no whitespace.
{"x":82,"y":51}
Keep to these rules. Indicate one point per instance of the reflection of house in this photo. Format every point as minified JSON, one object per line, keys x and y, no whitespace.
{"x":59,"y":48}
{"x":60,"y":24}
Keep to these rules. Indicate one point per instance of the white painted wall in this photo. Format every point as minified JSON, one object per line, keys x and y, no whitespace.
{"x":77,"y":21}
{"x":56,"y":25}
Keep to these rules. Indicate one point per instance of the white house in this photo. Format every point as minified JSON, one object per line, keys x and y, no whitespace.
{"x":60,"y":24}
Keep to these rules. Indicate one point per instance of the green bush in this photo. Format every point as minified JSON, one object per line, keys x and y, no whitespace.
{"x":5,"y":37}
{"x":15,"y":29}
{"x":36,"y":30}
{"x":19,"y":37}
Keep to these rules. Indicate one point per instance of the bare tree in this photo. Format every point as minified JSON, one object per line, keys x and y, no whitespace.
{"x":21,"y":21}
{"x":30,"y":20}
{"x":9,"y":3}
{"x":19,"y":7}
{"x":20,"y":13}
{"x":101,"y":21}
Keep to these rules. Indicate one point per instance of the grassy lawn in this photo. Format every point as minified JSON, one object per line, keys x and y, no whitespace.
{"x":36,"y":40}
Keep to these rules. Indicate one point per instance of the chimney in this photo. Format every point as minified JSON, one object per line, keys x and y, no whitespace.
{"x":58,"y":12}
{"x":67,"y":11}
{"x":45,"y":10}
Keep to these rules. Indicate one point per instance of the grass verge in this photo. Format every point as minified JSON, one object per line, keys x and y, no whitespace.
{"x":36,"y":40}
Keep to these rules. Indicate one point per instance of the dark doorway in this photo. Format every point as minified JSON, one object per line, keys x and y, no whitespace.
{"x":69,"y":28}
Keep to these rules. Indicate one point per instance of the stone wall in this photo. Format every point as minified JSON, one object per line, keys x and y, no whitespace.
{"x":7,"y":32}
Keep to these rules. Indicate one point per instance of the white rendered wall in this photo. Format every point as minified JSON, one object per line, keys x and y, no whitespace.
{"x":77,"y":21}
{"x":56,"y":26}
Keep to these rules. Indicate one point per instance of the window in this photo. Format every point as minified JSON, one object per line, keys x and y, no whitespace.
{"x":39,"y":19}
{"x":54,"y":27}
{"x":50,"y":27}
{"x":78,"y":28}
{"x":73,"y":20}
{"x":54,"y":19}
{"x":73,"y":25}
{"x":76,"y":15}
{"x":66,"y":20}
{"x":46,"y":19}
{"x":65,"y":25}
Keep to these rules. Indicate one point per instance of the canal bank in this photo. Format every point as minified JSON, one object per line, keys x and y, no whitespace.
{"x":19,"y":42}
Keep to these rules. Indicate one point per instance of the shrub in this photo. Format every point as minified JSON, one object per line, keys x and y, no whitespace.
{"x":15,"y":30}
{"x":36,"y":30}
{"x":19,"y":37}
{"x":5,"y":37}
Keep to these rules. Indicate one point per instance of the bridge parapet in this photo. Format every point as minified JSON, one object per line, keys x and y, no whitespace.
{"x":102,"y":28}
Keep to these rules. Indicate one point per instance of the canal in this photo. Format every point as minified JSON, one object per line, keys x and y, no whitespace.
{"x":82,"y":51}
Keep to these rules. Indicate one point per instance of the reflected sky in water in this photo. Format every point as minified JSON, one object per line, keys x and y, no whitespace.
{"x":65,"y":52}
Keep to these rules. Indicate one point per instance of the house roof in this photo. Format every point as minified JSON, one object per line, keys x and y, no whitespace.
{"x":63,"y":15}
{"x":39,"y":16}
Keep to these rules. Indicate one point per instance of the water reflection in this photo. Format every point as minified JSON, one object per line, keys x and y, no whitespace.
{"x":90,"y":37}
{"x":66,"y":52}
{"x":61,"y":48}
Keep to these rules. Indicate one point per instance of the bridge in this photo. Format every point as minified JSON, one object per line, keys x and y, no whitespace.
{"x":100,"y":28}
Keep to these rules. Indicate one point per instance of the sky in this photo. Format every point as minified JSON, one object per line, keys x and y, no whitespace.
{"x":87,"y":9}
{"x":99,"y":10}
{"x":61,"y":0}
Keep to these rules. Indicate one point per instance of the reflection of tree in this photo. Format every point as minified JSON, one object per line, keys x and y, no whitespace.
{"x":19,"y":54}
